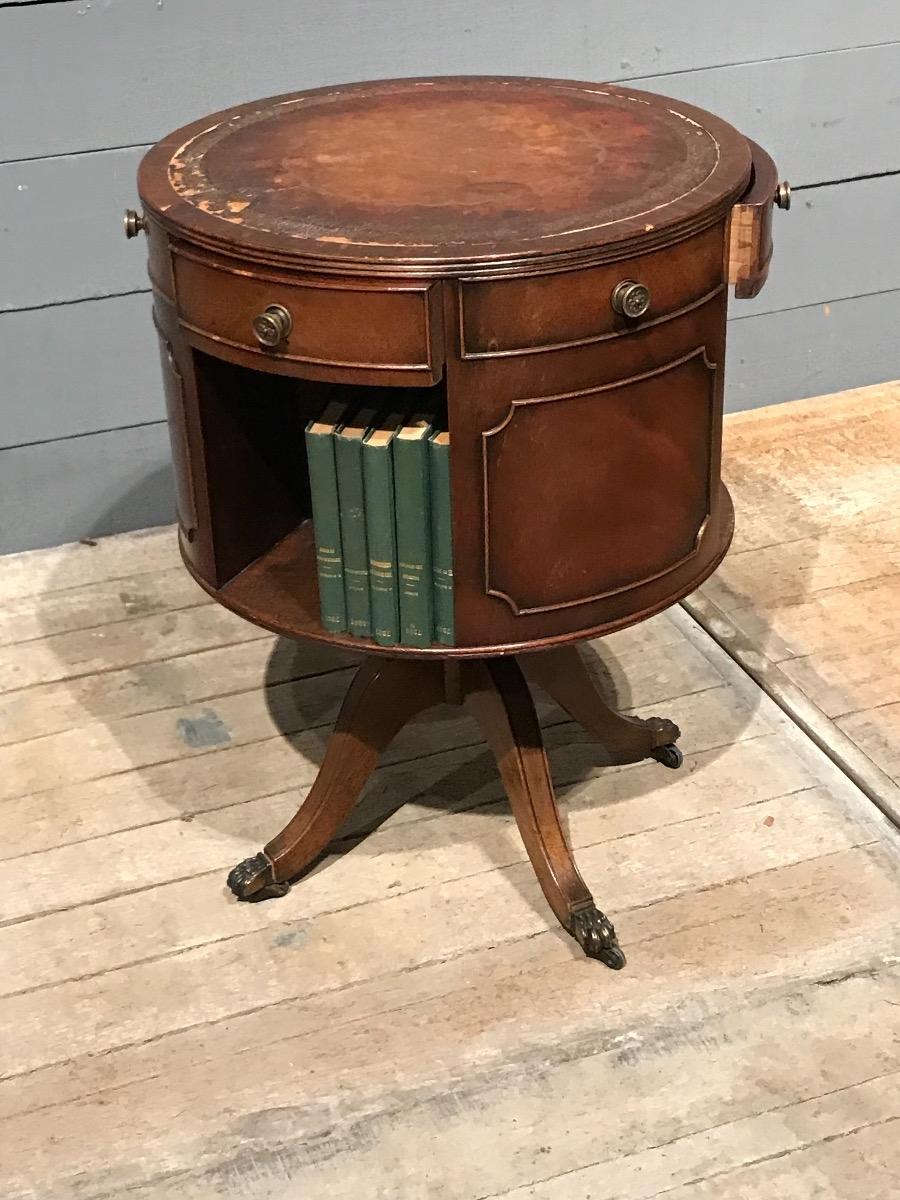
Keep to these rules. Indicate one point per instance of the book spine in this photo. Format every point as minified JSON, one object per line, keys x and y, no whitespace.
{"x":348,"y":457}
{"x":412,"y":505}
{"x":327,"y":530}
{"x":441,"y":542}
{"x":378,"y":479}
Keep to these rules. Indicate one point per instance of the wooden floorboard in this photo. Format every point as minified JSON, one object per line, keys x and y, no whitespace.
{"x":40,"y":572}
{"x":98,"y":605}
{"x":809,"y":598}
{"x":409,"y":1021}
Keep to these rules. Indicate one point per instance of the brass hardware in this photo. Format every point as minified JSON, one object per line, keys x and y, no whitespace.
{"x":783,"y":195}
{"x":135,"y":223}
{"x":273,"y":326}
{"x":630,"y":298}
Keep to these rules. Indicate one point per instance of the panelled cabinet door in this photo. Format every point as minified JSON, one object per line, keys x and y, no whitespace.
{"x":590,"y":493}
{"x":185,"y":495}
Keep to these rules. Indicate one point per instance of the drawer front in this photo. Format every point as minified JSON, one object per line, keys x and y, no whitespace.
{"x":595,"y":492}
{"x":504,"y":317}
{"x":390,"y":328}
{"x":750,"y":229}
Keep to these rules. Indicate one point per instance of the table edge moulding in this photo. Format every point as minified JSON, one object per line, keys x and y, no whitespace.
{"x":540,"y":265}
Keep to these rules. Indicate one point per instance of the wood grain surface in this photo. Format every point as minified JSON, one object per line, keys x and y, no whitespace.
{"x":813,"y":581}
{"x":409,"y":1020}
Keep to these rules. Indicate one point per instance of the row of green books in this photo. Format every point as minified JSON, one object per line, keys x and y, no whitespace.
{"x":380,"y":488}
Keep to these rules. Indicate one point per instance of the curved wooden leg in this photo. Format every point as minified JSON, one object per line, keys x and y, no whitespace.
{"x":564,"y":676}
{"x":498,"y":695}
{"x":384,"y":695}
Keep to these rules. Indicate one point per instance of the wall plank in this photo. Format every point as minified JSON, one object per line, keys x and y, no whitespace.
{"x":71,"y":369}
{"x":774,"y":357}
{"x":127,"y":71}
{"x":65,"y":490}
{"x":836,"y":242}
{"x":822,"y":117}
{"x":61,"y":229}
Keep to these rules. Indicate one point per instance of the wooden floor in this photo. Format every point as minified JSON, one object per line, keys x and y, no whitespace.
{"x":409,"y":1022}
{"x":809,"y":598}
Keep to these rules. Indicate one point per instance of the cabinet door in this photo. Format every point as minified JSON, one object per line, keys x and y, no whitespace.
{"x":185,"y":494}
{"x":594,"y":492}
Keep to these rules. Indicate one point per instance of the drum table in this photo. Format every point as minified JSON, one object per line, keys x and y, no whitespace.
{"x":546,"y":263}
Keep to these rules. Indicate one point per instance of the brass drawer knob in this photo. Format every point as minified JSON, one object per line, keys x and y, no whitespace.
{"x":630,"y":298}
{"x":272,"y":326}
{"x":135,"y":223}
{"x":783,"y":195}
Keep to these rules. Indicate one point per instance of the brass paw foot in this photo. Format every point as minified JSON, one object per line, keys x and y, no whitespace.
{"x":595,"y":934}
{"x":252,"y":880}
{"x":664,"y":731}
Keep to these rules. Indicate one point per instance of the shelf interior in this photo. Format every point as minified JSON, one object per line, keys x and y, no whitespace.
{"x":257,"y":482}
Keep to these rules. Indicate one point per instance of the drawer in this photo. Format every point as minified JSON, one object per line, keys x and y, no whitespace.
{"x":388,"y":327}
{"x":501,"y":317}
{"x":750,"y":229}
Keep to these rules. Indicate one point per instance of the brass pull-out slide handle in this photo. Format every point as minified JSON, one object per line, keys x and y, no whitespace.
{"x":134,"y":223}
{"x":782,"y":196}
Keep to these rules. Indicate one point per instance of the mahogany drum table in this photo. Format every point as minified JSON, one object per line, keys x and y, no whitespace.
{"x":543,"y":263}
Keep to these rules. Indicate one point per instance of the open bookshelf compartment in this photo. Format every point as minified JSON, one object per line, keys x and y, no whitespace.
{"x":254,"y":457}
{"x":257,"y":483}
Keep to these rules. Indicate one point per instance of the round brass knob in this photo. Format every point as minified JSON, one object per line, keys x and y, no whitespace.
{"x":783,"y":195}
{"x":273,"y":326}
{"x":630,"y":298}
{"x":135,"y":223}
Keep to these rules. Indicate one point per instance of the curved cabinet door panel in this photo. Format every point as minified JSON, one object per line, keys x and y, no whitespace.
{"x":594,"y":492}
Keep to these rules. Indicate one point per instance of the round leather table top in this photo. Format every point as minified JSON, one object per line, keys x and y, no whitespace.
{"x":447,"y":170}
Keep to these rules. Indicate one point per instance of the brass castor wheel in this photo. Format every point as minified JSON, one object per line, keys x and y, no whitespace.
{"x":670,"y":756}
{"x":271,"y":892}
{"x":613,"y":957}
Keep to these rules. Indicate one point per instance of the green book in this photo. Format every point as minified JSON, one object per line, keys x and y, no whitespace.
{"x":441,"y":536}
{"x":326,"y":516}
{"x":381,"y":533}
{"x":412,"y":503}
{"x":348,"y":443}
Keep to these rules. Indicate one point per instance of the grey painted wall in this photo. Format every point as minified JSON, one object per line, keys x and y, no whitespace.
{"x":87,"y":85}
